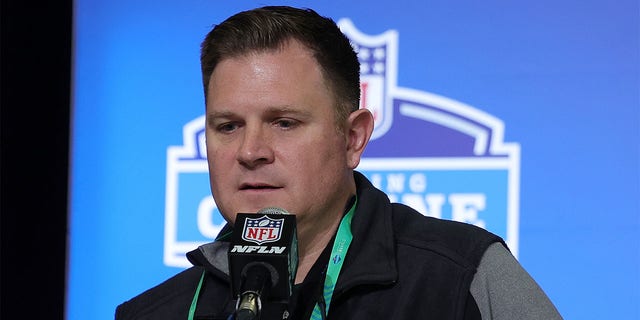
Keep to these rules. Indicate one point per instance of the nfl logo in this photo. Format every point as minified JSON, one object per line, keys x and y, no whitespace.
{"x":377,"y":55}
{"x":262,"y":230}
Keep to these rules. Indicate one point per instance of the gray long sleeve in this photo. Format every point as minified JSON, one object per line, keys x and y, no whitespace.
{"x":503,"y":290}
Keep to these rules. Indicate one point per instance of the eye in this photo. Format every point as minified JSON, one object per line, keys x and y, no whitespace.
{"x":286,"y":123}
{"x":227,"y":127}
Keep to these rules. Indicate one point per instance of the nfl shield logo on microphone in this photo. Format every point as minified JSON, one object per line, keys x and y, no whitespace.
{"x":262,"y":230}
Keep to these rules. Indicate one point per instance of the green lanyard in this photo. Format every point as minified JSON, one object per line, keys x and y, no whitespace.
{"x":194,"y":302}
{"x":338,"y":253}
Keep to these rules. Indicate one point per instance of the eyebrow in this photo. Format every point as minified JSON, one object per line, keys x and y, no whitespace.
{"x":219,"y":114}
{"x":271,"y":111}
{"x":212,"y":116}
{"x":287,"y":110}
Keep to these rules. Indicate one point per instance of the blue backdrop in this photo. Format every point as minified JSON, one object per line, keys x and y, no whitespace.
{"x":522,"y":117}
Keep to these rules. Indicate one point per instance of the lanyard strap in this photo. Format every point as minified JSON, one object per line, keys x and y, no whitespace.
{"x":194,"y":302}
{"x":339,"y":251}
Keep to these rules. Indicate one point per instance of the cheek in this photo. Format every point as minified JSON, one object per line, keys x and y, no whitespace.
{"x":327,"y":157}
{"x":219,"y":155}
{"x":218,"y":163}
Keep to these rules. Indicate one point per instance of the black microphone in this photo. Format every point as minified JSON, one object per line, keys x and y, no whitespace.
{"x":263,"y":260}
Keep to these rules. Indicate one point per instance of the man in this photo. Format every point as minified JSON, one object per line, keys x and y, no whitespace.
{"x":284,"y":129}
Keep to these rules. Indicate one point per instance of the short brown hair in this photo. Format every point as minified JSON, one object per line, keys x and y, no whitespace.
{"x":269,"y":28}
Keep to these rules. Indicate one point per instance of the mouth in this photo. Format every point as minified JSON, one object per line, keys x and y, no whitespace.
{"x":257,"y":187}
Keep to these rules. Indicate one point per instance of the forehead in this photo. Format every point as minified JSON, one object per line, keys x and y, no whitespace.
{"x":289,"y":72}
{"x":291,"y":53}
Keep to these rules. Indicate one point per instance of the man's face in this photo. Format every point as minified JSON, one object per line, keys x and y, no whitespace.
{"x":272,"y":138}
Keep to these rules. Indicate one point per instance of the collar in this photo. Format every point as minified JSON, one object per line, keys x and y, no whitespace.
{"x":371,"y":257}
{"x":213,"y":256}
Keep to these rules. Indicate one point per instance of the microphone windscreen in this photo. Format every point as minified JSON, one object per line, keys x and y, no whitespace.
{"x":273,"y":210}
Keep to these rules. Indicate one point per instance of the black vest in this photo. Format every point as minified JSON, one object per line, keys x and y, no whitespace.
{"x":400,"y":265}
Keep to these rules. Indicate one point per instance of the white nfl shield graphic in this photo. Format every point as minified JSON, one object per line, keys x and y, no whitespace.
{"x":377,"y":73}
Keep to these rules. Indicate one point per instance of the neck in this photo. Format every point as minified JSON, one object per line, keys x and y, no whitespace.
{"x":311,"y":243}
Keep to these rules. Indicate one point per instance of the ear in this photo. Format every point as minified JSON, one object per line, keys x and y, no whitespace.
{"x":358,"y":133}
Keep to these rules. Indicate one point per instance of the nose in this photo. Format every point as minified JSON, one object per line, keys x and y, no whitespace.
{"x":255,"y":148}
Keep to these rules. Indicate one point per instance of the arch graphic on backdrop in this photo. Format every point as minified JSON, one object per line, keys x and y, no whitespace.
{"x":444,"y":158}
